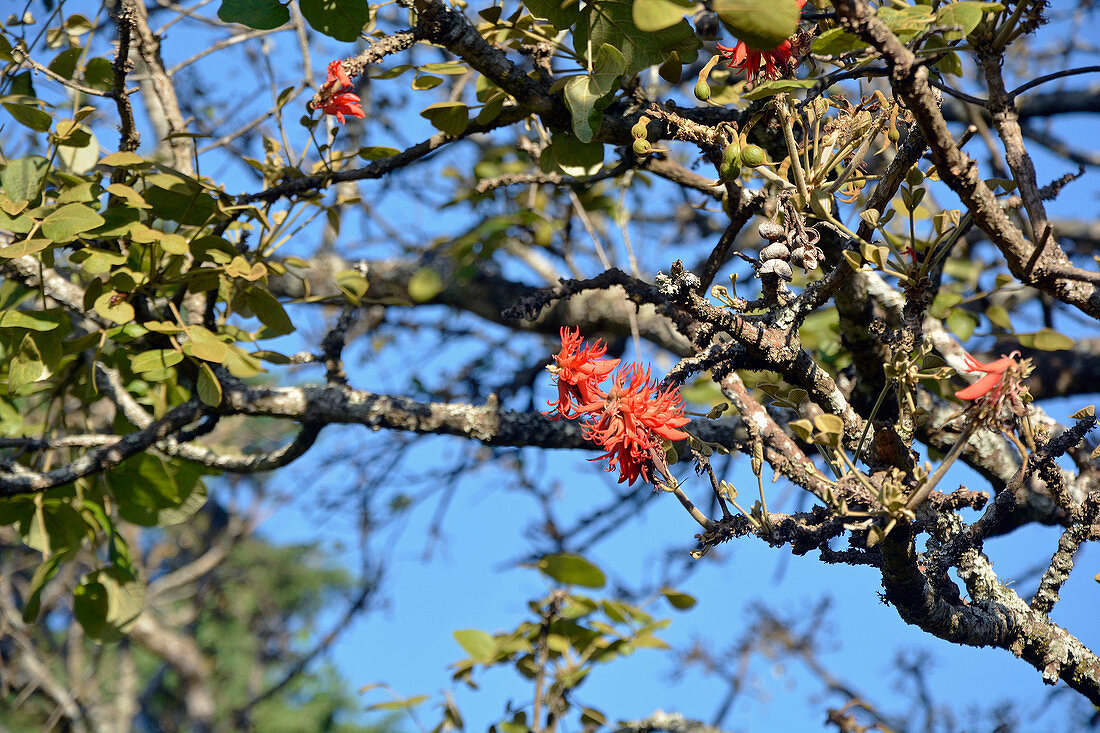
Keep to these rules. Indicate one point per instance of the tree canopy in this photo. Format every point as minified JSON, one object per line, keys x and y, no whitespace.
{"x":824,"y":272}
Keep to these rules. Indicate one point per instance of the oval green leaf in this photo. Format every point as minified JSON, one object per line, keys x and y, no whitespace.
{"x":572,"y":570}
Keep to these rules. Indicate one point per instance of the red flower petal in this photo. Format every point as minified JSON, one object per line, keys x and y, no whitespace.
{"x":980,"y":388}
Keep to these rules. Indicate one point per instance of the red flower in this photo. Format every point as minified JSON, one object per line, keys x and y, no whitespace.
{"x":777,"y":61}
{"x":632,"y":415}
{"x":994,"y":380}
{"x":579,"y":373}
{"x":630,"y":420}
{"x":336,"y":96}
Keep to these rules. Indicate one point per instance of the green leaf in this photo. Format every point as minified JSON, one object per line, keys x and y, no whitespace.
{"x":112,"y":305}
{"x":24,"y":319}
{"x":836,"y":41}
{"x":55,"y":528}
{"x":611,"y":22}
{"x":269,"y":310}
{"x":778,"y":86}
{"x":241,"y":364}
{"x":71,"y":219}
{"x":573,"y":157}
{"x":180,"y":200}
{"x":450,"y":117}
{"x":655,"y":15}
{"x":588,"y":96}
{"x":1047,"y":340}
{"x":961,"y":323}
{"x":22,"y":179}
{"x":43,"y":574}
{"x":424,"y":285}
{"x":205,"y":345}
{"x":829,"y":424}
{"x":608,"y":69}
{"x":148,"y":361}
{"x":263,"y":15}
{"x":340,"y":19}
{"x":445,"y":67}
{"x":906,"y":22}
{"x":761,"y":24}
{"x":375,"y":152}
{"x":963,"y":16}
{"x":125,"y":159}
{"x":64,"y":63}
{"x":99,"y":74}
{"x":25,"y":366}
{"x":680,"y":601}
{"x":586,"y":106}
{"x":107,"y":603}
{"x":208,"y":386}
{"x":25,"y":247}
{"x":153,"y":491}
{"x":479,"y":645}
{"x":998,"y":315}
{"x":572,"y":570}
{"x":79,"y":159}
{"x":426,"y":81}
{"x":29,"y":116}
{"x":561,"y":13}
{"x":402,"y":704}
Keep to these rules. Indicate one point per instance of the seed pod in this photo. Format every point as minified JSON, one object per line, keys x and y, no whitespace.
{"x":731,"y":161}
{"x":821,"y":106}
{"x":893,"y":134}
{"x":778,"y":268}
{"x":702,"y":90}
{"x":798,"y":254}
{"x":642,"y":147}
{"x":639,"y":131}
{"x":809,"y":262}
{"x":775,"y":251}
{"x":753,"y":156}
{"x":771,"y":230}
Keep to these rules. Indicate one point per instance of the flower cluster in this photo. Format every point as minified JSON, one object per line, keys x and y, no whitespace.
{"x":629,"y":420}
{"x":336,"y":97}
{"x":1000,"y":386}
{"x":776,"y":61}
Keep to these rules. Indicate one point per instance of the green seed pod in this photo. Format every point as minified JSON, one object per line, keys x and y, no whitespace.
{"x":642,"y":146}
{"x":639,"y":131}
{"x":731,"y":162}
{"x":702,"y":90}
{"x":893,"y":134}
{"x":753,"y":156}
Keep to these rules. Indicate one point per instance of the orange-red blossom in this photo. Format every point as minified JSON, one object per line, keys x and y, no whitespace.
{"x":993,"y":385}
{"x":629,"y":420}
{"x":336,"y":96}
{"x":776,"y":61}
